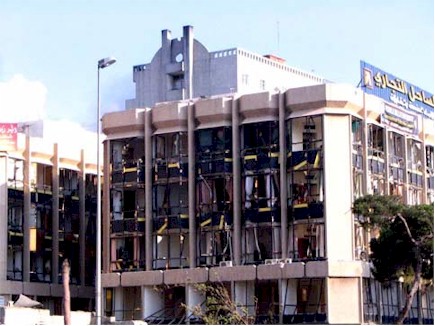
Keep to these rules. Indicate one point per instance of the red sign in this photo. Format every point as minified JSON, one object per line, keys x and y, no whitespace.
{"x":8,"y":136}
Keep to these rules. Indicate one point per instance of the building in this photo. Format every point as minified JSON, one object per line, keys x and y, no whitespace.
{"x":184,"y":68}
{"x":48,"y":209}
{"x":254,"y":191}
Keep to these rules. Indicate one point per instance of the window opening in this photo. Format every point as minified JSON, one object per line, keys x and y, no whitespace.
{"x":170,"y":201}
{"x":260,"y":192}
{"x":214,"y":195}
{"x":305,"y":188}
{"x":127,"y":199}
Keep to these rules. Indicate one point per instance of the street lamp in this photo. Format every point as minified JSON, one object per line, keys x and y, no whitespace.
{"x":103,"y":63}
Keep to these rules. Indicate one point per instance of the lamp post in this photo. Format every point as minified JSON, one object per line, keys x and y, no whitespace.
{"x":103,"y":63}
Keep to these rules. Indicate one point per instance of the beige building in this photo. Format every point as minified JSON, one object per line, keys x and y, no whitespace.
{"x":47,"y":209}
{"x":255,"y":192}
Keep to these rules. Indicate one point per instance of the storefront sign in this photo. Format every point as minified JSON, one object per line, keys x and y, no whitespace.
{"x":399,"y":119}
{"x":396,"y":91}
{"x":8,"y":136}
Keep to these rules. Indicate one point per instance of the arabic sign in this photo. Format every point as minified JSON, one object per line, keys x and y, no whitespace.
{"x":396,"y":91}
{"x":399,"y":119}
{"x":8,"y":136}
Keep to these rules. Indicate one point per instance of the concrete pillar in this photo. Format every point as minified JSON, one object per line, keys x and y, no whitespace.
{"x":191,"y":184}
{"x":283,"y":176}
{"x":82,"y":216}
{"x":118,"y":301}
{"x":244,"y":297}
{"x":343,"y":301}
{"x":406,"y":178}
{"x":237,"y":188}
{"x":26,"y":212}
{"x":55,"y":217}
{"x":188,"y":60}
{"x":386,"y":162}
{"x":148,"y":192}
{"x":105,"y":208}
{"x":193,"y":298}
{"x":3,"y":215}
{"x":152,"y":301}
{"x":338,"y":187}
{"x":424,"y":165}
{"x":365,"y":145}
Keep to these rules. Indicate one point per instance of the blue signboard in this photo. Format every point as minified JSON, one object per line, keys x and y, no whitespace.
{"x":396,"y":91}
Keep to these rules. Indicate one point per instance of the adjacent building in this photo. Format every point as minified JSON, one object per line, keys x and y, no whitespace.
{"x":209,"y":177}
{"x":48,"y":209}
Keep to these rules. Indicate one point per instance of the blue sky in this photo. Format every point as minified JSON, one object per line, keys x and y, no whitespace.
{"x":49,"y":48}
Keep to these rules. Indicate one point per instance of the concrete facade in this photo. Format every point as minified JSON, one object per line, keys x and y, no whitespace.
{"x":230,"y":168}
{"x":47,"y":203}
{"x":312,"y":253}
{"x":183,"y":68}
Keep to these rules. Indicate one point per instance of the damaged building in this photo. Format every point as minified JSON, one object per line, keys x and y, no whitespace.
{"x":214,"y":174}
{"x":48,"y":201}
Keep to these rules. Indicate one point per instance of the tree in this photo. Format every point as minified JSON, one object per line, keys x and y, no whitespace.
{"x":404,"y":247}
{"x":218,"y":308}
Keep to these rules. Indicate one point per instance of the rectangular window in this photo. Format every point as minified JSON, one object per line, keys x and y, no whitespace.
{"x":262,"y":84}
{"x":245,"y":79}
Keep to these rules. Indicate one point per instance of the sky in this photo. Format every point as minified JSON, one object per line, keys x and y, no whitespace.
{"x":49,"y":48}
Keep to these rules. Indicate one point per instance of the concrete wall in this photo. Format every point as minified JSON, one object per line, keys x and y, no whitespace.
{"x":343,"y":301}
{"x":338,"y":191}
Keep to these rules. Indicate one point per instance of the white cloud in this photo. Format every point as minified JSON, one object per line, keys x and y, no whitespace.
{"x":22,"y":100}
{"x":71,"y":137}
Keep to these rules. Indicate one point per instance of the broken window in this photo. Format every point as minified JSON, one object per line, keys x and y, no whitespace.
{"x":214,"y":195}
{"x":170,"y":201}
{"x":429,"y":150}
{"x":69,"y":224}
{"x":261,"y":242}
{"x":15,"y":174}
{"x":15,"y":234}
{"x":357,"y":157}
{"x":127,"y":199}
{"x":305,"y":188}
{"x":41,"y":177}
{"x":305,"y":167}
{"x":397,"y":163}
{"x":90,"y":224}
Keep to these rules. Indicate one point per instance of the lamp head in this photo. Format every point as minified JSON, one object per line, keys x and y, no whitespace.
{"x":106,"y":62}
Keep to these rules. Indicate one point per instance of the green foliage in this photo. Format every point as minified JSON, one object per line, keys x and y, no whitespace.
{"x":376,"y":209}
{"x":406,"y":236}
{"x":218,"y":308}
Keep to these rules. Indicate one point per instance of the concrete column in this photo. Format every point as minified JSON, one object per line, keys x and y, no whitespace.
{"x":118,"y":301}
{"x":237,"y":187}
{"x":338,"y":187}
{"x":105,"y":211}
{"x":82,"y":216}
{"x":365,"y":145}
{"x":191,"y":184}
{"x":55,"y":217}
{"x":193,"y":298}
{"x":424,"y":165}
{"x":148,"y":192}
{"x":405,"y":177}
{"x":283,"y":176}
{"x":152,"y":301}
{"x":244,"y":297}
{"x":343,"y":301}
{"x":26,"y":213}
{"x":188,"y":60}
{"x":386,"y":162}
{"x":4,"y":215}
